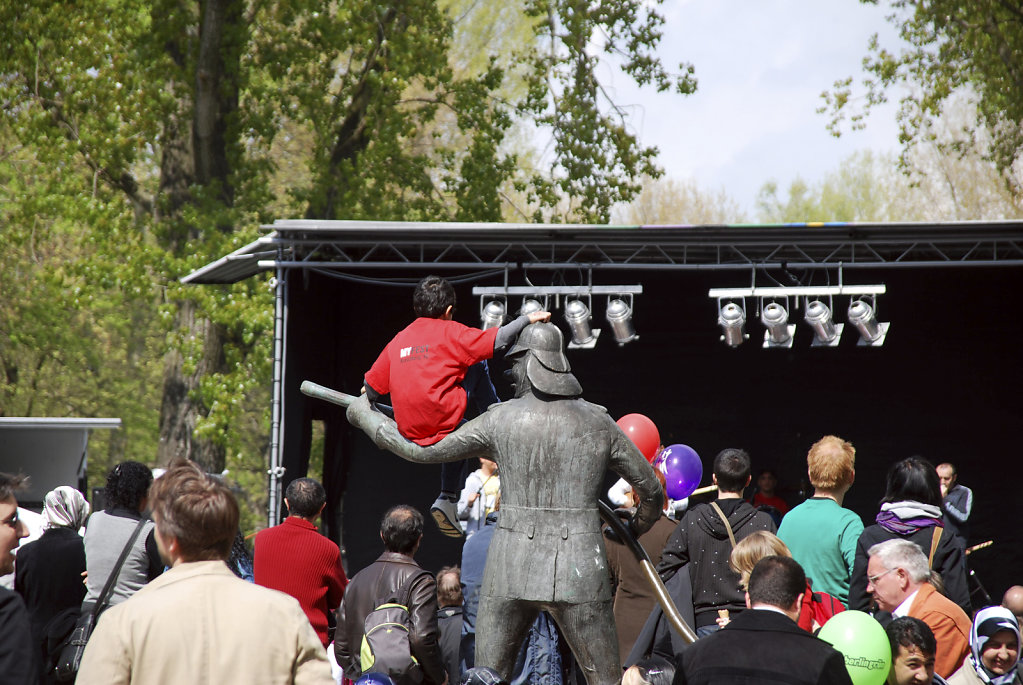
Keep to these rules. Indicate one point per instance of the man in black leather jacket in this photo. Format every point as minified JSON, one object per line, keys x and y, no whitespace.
{"x":401,"y":530}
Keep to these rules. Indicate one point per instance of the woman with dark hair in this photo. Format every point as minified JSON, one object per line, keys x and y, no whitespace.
{"x":911,"y":509}
{"x":108,"y":531}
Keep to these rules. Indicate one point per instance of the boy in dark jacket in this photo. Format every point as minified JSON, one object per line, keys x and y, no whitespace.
{"x":704,"y":541}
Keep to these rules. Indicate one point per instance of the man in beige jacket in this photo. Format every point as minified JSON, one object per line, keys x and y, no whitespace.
{"x":198,"y":622}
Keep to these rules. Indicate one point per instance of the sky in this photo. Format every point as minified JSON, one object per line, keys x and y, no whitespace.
{"x":761,"y":67}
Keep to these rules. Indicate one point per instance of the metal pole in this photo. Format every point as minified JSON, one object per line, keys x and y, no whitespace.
{"x":276,"y":470}
{"x":671,"y":612}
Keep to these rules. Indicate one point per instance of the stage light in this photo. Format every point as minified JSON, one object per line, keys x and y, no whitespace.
{"x":529,"y":305}
{"x":577,"y":314}
{"x":779,"y":331}
{"x":872,"y":332}
{"x":826,"y":332}
{"x":732,"y":319}
{"x":619,"y":315}
{"x":492,"y":315}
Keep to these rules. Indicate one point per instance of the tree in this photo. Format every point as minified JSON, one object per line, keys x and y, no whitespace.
{"x":951,"y":47}
{"x":863,"y":188}
{"x":597,"y":161}
{"x":951,"y":174}
{"x":165,"y":132}
{"x":669,"y":201}
{"x":935,"y":186}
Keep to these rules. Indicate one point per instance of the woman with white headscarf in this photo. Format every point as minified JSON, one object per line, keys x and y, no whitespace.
{"x":48,"y":572}
{"x":994,"y":650}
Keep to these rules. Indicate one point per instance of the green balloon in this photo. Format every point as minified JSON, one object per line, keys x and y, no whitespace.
{"x":863,"y":643}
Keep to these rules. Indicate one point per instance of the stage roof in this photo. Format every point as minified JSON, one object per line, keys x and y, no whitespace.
{"x":362,"y":246}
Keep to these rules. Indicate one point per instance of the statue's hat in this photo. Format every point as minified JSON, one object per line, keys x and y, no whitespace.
{"x":547,"y":366}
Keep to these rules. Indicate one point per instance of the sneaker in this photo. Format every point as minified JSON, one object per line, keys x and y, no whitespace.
{"x":445,"y":513}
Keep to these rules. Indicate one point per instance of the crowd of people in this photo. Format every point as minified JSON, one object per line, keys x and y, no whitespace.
{"x":179,"y":604}
{"x":177,"y":597}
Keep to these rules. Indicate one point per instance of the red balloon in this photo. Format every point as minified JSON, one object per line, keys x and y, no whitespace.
{"x":642,"y":432}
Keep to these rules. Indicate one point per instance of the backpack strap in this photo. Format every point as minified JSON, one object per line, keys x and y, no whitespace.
{"x":728,"y":526}
{"x":935,"y":537}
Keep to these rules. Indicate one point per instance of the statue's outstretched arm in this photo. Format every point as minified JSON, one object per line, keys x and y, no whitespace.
{"x":467,"y":441}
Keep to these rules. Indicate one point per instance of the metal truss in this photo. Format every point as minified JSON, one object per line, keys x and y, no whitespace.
{"x":356,"y":246}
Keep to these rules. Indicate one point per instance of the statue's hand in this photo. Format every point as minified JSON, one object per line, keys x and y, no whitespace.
{"x":626,"y":515}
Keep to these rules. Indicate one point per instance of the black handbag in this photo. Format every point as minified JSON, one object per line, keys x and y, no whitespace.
{"x":71,"y":650}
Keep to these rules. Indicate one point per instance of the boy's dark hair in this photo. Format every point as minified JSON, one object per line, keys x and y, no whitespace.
{"x":127,"y":484}
{"x":401,"y":528}
{"x":913,"y":478}
{"x":432,"y":297}
{"x":732,"y":468}
{"x":656,"y":670}
{"x":777,"y":581}
{"x":305,"y":497}
{"x":911,"y":632}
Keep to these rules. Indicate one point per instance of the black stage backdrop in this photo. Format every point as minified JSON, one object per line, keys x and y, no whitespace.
{"x":945,"y":386}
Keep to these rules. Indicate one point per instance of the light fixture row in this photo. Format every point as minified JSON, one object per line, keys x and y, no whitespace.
{"x":818,"y":307}
{"x":577,"y":310}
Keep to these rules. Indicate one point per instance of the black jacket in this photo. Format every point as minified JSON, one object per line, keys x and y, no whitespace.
{"x":701,"y":541}
{"x":949,"y":561}
{"x":449,"y":620}
{"x":48,"y":576}
{"x":761,"y":646}
{"x":369,"y":588}
{"x":17,"y":658}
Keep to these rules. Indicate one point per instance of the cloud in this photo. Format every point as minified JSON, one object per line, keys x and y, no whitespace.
{"x":761,"y":65}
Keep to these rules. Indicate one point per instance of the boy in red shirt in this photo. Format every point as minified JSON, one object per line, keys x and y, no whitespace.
{"x":431,"y":370}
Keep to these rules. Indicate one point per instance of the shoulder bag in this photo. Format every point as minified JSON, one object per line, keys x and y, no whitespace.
{"x":71,"y":650}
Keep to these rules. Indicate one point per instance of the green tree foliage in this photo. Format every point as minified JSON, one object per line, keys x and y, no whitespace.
{"x":145,"y":138}
{"x":598,"y":162}
{"x":951,"y":46}
{"x":79,"y":333}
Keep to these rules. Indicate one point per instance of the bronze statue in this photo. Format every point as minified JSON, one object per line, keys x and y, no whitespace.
{"x":553,"y":449}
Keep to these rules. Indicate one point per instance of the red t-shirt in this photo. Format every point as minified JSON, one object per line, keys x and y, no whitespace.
{"x":771,"y":501}
{"x":422,"y":368}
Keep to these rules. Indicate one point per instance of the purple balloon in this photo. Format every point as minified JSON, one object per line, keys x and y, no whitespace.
{"x":682,"y":470}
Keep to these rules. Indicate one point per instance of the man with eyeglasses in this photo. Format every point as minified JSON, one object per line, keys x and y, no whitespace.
{"x":897,"y":578}
{"x":16,"y":653}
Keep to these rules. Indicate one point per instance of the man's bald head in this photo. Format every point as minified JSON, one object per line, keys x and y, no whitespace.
{"x":1013,"y":600}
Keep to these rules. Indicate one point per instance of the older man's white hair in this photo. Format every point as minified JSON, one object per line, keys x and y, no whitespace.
{"x":902,"y":554}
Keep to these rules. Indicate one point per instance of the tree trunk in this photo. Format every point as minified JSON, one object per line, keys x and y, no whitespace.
{"x":196,"y":151}
{"x":182,"y":408}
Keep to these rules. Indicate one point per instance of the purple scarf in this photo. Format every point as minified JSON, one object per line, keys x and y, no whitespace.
{"x":906,"y":518}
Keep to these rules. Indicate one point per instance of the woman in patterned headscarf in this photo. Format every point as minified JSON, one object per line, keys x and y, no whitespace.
{"x":994,"y":650}
{"x":48,"y":572}
{"x":65,"y":507}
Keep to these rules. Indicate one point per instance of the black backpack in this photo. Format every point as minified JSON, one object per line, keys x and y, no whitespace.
{"x":386,"y":647}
